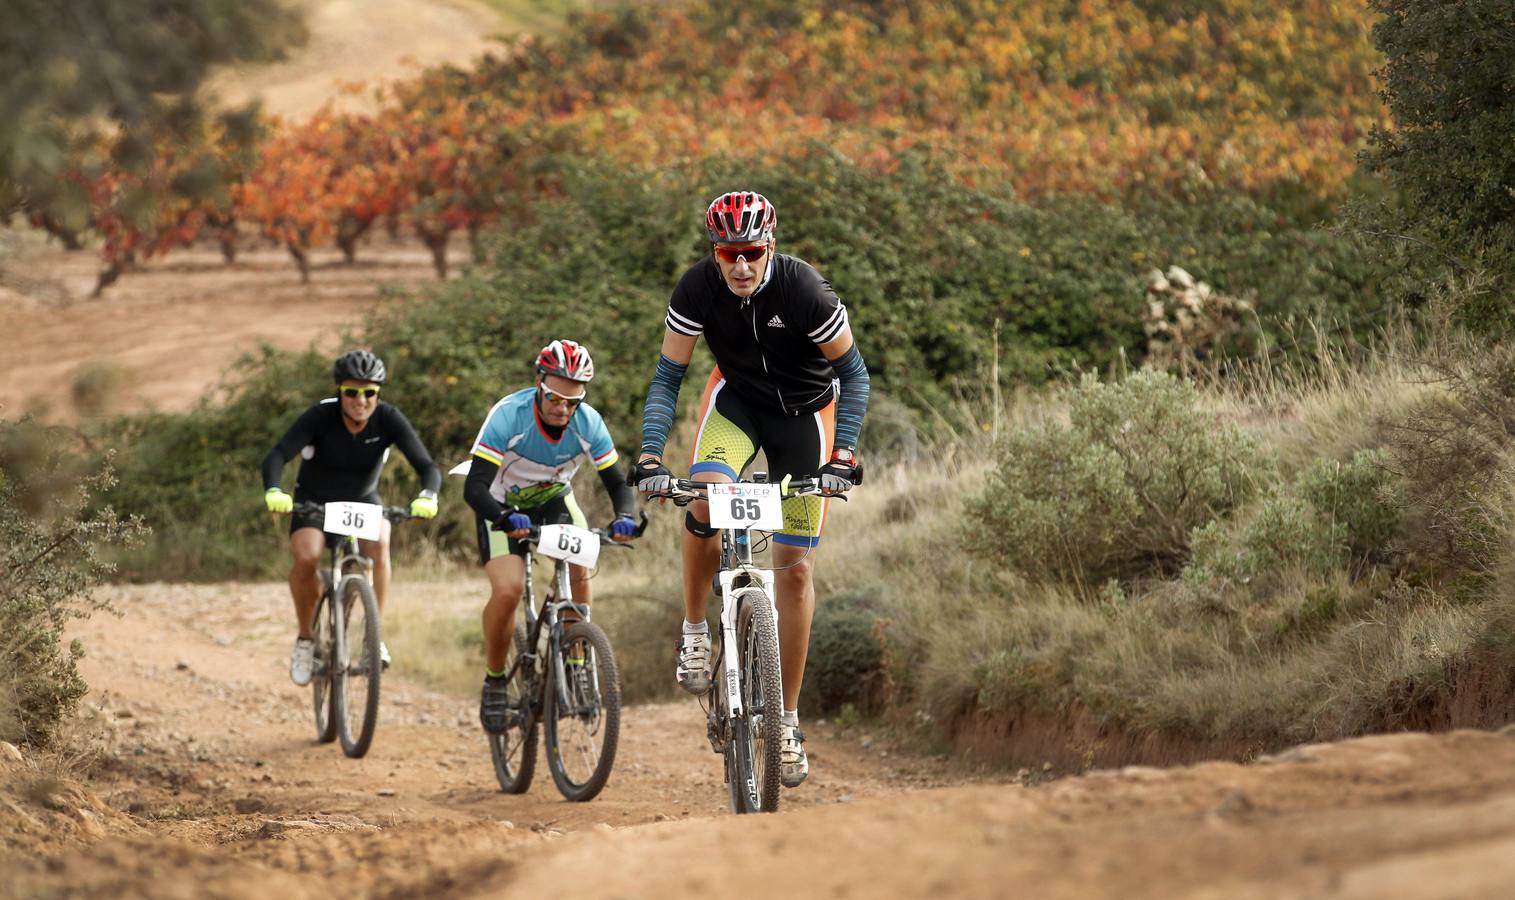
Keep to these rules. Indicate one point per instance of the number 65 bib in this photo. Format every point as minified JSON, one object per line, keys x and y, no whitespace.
{"x":746,"y":506}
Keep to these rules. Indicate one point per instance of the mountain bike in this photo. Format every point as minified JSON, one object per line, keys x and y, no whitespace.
{"x":744,"y":706}
{"x":347,"y":670}
{"x":561,"y":674}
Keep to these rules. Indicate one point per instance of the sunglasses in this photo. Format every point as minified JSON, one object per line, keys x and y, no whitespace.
{"x":729,"y":255}
{"x":365,"y":393}
{"x":551,"y":396}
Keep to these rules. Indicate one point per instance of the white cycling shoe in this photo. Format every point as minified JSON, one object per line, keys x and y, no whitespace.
{"x":794,"y":767}
{"x":302,"y":661}
{"x":384,"y":655}
{"x":693,"y":674}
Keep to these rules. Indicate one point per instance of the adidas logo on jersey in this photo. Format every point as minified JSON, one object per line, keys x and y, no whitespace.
{"x":775,"y":322}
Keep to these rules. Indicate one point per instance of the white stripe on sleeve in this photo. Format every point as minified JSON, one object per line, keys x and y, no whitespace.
{"x":683,"y":324}
{"x":831,"y":327}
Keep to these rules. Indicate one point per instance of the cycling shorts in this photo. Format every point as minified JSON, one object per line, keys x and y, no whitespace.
{"x":731,"y":433}
{"x":493,"y":543}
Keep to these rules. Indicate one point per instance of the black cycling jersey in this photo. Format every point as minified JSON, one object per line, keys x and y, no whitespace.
{"x":340,"y":465}
{"x":768,"y":345}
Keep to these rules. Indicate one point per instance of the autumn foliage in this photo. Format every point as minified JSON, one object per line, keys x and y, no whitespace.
{"x":1097,"y":97}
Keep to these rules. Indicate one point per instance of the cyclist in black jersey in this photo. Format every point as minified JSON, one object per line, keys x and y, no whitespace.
{"x":788,"y":380}
{"x":342,"y":442}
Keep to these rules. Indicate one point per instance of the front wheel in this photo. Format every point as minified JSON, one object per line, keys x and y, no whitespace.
{"x":514,"y":751}
{"x":326,"y":696}
{"x":361,"y":666}
{"x":582,"y":711}
{"x":753,"y":753}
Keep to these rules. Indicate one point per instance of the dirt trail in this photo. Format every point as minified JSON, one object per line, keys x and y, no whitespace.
{"x":211,"y":784}
{"x":362,"y":42}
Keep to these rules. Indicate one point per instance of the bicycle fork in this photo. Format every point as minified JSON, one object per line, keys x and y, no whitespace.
{"x":731,"y":669}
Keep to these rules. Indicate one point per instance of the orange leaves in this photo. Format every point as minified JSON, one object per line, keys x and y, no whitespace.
{"x":1083,"y":96}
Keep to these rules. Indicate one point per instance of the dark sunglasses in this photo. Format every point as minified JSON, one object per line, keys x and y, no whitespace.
{"x":365,"y":393}
{"x":551,"y":396}
{"x":729,"y":255}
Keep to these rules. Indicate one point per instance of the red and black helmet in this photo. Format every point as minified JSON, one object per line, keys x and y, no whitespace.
{"x":566,"y":359}
{"x":740,"y":216}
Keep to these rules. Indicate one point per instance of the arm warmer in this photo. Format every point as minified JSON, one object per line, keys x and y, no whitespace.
{"x":853,"y":402}
{"x":622,"y":497}
{"x":481,"y":473}
{"x":662,"y":398}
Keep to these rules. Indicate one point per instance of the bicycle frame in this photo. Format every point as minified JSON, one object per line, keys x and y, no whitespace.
{"x":558,"y":599}
{"x":341,"y":554}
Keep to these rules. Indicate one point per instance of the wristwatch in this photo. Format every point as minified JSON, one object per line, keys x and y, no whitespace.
{"x":429,"y":495}
{"x":844,"y":454}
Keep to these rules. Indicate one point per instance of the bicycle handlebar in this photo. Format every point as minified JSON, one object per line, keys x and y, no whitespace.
{"x":392,"y":513}
{"x":606,"y":536}
{"x":685,"y":491}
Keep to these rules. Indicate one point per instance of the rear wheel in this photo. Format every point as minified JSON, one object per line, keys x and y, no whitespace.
{"x":756,"y":734}
{"x":514,"y":751}
{"x":326,"y":697}
{"x":362,"y":667}
{"x":582,"y":712}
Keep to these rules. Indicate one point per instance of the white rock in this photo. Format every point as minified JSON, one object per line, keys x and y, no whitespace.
{"x":9,"y":753}
{"x":1181,"y":278}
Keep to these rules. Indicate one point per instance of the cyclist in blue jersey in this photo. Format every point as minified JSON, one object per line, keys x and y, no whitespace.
{"x":520,"y":475}
{"x":343,"y":443}
{"x":789,"y":380}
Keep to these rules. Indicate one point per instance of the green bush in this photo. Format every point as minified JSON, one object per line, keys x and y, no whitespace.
{"x":932,"y":270}
{"x":1452,"y":451}
{"x":1331,"y":514}
{"x":49,"y":559}
{"x":845,"y":663}
{"x":1117,"y":491}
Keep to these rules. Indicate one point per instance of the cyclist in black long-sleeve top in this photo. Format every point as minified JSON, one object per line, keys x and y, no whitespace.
{"x":343,"y":443}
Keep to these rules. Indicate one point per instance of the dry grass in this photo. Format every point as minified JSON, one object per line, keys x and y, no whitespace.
{"x":1296,"y":656}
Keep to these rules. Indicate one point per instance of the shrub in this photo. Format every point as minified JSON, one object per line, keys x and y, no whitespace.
{"x":1331,"y":513}
{"x":1118,"y":490}
{"x":1451,"y":450}
{"x":49,"y":542}
{"x":844,"y":666}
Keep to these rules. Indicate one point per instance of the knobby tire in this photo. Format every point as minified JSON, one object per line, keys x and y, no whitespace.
{"x":325,"y":693}
{"x":362,"y":669}
{"x":756,"y":735}
{"x":582,"y":735}
{"x":515,"y":750}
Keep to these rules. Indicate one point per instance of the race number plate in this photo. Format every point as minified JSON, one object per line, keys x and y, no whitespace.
{"x":746,"y":506}
{"x":361,"y":520}
{"x":570,"y":543}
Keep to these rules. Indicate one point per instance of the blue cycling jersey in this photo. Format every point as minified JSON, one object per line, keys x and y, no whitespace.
{"x":534,"y":468}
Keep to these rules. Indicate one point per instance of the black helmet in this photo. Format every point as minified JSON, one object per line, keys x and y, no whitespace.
{"x":358,"y":365}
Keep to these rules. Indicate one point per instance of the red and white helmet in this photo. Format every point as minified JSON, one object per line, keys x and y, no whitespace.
{"x":740,"y":216}
{"x":566,"y":359}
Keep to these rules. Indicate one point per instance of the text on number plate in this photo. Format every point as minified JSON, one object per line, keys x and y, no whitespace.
{"x":746,"y":506}
{"x":571,"y":543}
{"x":361,"y":520}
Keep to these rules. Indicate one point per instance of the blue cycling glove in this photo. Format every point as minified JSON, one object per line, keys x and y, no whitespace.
{"x":623,"y":526}
{"x":514,"y":521}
